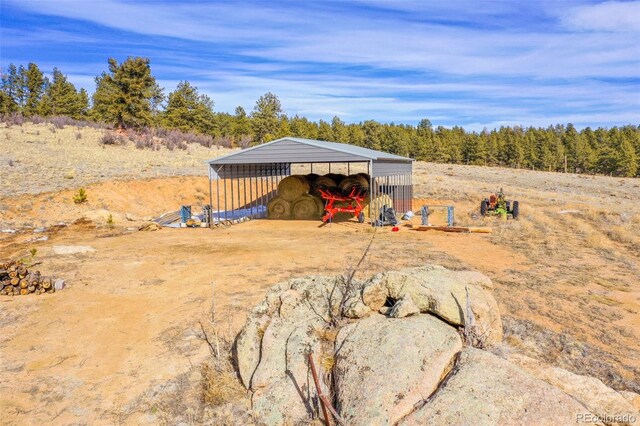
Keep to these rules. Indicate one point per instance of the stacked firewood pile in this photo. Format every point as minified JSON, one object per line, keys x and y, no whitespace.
{"x":298,"y":196}
{"x":16,"y":279}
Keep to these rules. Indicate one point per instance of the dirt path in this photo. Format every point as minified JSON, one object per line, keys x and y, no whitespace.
{"x":128,"y":321}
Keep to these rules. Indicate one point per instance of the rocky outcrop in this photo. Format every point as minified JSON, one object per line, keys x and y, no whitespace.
{"x":440,"y":292}
{"x":384,"y":366}
{"x":487,"y":390}
{"x":597,"y":397}
{"x":395,"y":350}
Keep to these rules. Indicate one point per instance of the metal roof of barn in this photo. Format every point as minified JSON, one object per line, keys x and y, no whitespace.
{"x":298,"y":150}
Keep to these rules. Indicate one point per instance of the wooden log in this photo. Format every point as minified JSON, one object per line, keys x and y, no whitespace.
{"x":307,"y":207}
{"x":13,"y":274}
{"x":292,"y":187}
{"x":24,"y":283}
{"x":31,"y":288}
{"x":46,"y":283}
{"x":278,"y":208}
{"x":15,"y":281}
{"x":24,"y":291}
{"x":467,"y":229}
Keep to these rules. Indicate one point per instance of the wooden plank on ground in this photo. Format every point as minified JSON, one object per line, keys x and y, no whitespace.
{"x":467,"y":229}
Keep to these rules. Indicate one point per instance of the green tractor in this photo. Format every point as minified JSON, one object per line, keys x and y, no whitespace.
{"x":497,"y":204}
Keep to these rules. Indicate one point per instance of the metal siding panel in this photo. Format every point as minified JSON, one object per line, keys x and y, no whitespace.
{"x":391,"y":168}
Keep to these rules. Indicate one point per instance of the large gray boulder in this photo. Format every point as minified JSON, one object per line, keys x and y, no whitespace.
{"x":272,"y":348}
{"x":384,"y":366}
{"x":487,"y":390}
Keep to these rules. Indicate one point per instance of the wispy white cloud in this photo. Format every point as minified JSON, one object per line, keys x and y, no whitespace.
{"x":614,"y":16}
{"x":393,"y":61}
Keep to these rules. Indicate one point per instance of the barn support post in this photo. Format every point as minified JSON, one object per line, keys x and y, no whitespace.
{"x":251,"y":191}
{"x":218,"y":194}
{"x":210,"y":218}
{"x":225,"y":196}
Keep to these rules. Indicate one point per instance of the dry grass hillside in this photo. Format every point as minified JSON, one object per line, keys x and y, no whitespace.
{"x":37,"y":158}
{"x":124,"y":344}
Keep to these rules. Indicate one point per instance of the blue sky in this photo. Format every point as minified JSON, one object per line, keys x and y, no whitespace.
{"x":472,"y":63}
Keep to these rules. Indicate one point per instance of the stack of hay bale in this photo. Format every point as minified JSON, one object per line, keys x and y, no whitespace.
{"x":299,"y":196}
{"x":16,"y":279}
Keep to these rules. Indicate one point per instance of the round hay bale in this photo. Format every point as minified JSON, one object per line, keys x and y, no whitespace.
{"x":325,"y":181}
{"x":322,"y":181}
{"x":293,"y":187}
{"x":278,"y":208}
{"x":311,"y":178}
{"x":365,"y":176}
{"x":376,"y":204}
{"x":336,"y":177}
{"x":307,"y":207}
{"x":349,"y":182}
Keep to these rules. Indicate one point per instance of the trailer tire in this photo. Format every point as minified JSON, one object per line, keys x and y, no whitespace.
{"x":516,"y":210}
{"x":484,"y":206}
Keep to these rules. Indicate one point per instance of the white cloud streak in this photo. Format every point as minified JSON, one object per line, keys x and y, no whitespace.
{"x":394,"y":61}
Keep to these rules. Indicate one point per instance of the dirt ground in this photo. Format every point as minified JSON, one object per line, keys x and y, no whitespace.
{"x":122,"y":343}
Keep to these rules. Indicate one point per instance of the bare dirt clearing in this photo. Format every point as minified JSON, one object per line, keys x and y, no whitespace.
{"x":122,"y":342}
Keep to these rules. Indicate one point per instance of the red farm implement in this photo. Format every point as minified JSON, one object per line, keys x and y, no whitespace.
{"x":351,"y":203}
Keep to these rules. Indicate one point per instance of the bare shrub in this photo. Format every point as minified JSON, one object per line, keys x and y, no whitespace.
{"x":146,"y":141}
{"x":13,"y":119}
{"x":111,"y":138}
{"x":244,"y":141}
{"x":60,"y":121}
{"x":78,"y":135}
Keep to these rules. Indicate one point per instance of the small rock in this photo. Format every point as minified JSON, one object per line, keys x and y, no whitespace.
{"x":39,"y":230}
{"x":404,"y":307}
{"x":8,"y":231}
{"x":72,"y":249}
{"x":357,"y":310}
{"x":59,"y":284}
{"x":385,"y":310}
{"x":150,"y":227}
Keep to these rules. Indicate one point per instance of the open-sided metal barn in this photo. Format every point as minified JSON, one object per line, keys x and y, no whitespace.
{"x":245,"y":181}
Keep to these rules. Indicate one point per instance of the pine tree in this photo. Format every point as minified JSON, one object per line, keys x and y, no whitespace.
{"x":265,"y":118}
{"x":284,"y":129}
{"x":241,"y":126}
{"x":324,"y":131}
{"x":303,"y":128}
{"x":13,"y":85}
{"x":34,"y":82}
{"x":62,"y":98}
{"x":339,"y":130}
{"x":372,"y":131}
{"x":128,"y":95}
{"x":188,"y":110}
